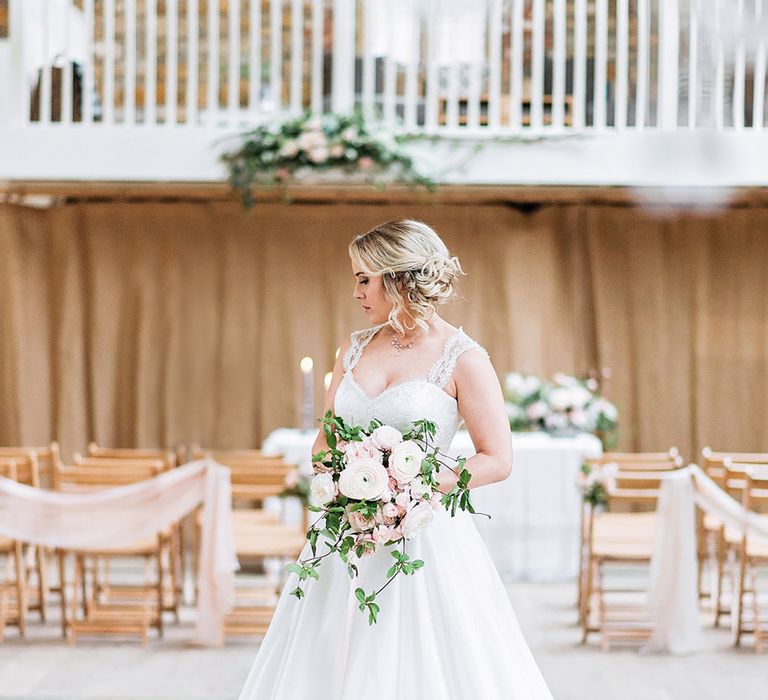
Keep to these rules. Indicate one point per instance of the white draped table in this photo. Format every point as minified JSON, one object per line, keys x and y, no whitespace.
{"x":534,"y":530}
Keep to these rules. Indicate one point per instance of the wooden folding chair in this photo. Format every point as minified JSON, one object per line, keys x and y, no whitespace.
{"x":622,"y":534}
{"x":630,"y":460}
{"x":751,"y":481}
{"x":259,"y":534}
{"x":115,"y":456}
{"x":47,"y":457}
{"x":109,"y":608}
{"x":14,"y":602}
{"x":713,"y":545}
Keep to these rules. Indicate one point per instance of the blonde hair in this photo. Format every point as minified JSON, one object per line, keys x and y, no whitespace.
{"x":418,"y":273}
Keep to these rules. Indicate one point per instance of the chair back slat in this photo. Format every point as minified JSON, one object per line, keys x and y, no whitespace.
{"x":96,"y":451}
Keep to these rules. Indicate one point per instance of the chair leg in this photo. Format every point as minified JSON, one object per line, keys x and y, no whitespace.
{"x":740,"y":599}
{"x":21,"y":595}
{"x":42,"y":581}
{"x":160,"y":589}
{"x":61,"y":556}
{"x":586,"y":599}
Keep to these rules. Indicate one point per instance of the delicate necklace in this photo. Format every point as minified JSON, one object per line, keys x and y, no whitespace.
{"x":398,"y":346}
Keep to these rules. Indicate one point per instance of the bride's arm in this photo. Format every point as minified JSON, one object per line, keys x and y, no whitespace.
{"x":481,"y":404}
{"x":338,"y":373}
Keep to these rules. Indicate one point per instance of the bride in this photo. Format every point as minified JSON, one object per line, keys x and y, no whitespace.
{"x":448,"y":632}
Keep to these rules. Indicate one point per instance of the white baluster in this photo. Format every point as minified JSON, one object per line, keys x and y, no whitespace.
{"x":150,"y":78}
{"x":193,"y":62}
{"x":537,"y":66}
{"x":622,"y":63}
{"x":317,"y":56}
{"x":297,"y":55}
{"x":66,"y":78}
{"x":369,"y":65}
{"x":693,"y":63}
{"x":433,"y":70}
{"x":669,"y":49}
{"x":641,"y":97}
{"x":601,"y":64}
{"x":212,"y":101}
{"x":276,"y":54}
{"x":87,"y":92}
{"x":343,"y":70}
{"x":558,"y":63}
{"x":129,"y":101}
{"x":758,"y":103}
{"x":579,"y":63}
{"x":171,"y":62}
{"x":494,"y":71}
{"x":233,"y":67}
{"x":739,"y":70}
{"x":109,"y":62}
{"x":516,"y":69}
{"x":718,"y":104}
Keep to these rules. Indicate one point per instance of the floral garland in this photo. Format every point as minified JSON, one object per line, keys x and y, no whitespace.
{"x":276,"y":153}
{"x":566,"y":405}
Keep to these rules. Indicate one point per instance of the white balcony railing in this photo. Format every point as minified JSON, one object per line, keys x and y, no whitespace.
{"x":465,"y":68}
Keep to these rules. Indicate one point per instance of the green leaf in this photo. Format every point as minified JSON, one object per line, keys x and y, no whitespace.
{"x":417,"y":563}
{"x":360,"y":594}
{"x":312,"y":571}
{"x":392,"y":571}
{"x":298,"y":593}
{"x":294,"y":568}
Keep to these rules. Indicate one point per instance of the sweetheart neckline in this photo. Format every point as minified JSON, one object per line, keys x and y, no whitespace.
{"x":362,"y":391}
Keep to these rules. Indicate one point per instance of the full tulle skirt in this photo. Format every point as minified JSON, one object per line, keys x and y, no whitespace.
{"x":446,"y":632}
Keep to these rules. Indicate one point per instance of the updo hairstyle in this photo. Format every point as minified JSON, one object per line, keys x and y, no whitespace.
{"x":416,"y":269}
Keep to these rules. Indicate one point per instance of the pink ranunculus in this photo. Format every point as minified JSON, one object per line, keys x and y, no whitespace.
{"x":362,"y":450}
{"x":403,"y":499}
{"x":357,"y":521}
{"x":393,"y":485}
{"x":389,"y":510}
{"x":382,"y":534}
{"x":365,"y":163}
{"x":366,"y":538}
{"x":435,"y":501}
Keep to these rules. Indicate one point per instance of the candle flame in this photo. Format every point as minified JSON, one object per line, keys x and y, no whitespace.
{"x":327,"y":379}
{"x":306,"y":364}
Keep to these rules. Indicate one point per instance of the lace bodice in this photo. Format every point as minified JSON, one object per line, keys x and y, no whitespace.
{"x":401,"y":404}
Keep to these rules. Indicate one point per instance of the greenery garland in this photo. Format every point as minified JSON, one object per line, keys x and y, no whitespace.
{"x":275,"y":153}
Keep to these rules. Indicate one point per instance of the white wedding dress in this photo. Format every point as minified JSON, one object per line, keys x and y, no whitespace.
{"x":447,"y":632}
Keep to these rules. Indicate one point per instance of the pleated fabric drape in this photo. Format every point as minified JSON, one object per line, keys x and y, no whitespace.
{"x":148,"y":323}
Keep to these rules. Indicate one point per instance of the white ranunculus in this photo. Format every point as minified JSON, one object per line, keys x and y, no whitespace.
{"x":289,"y":149}
{"x":364,"y":480}
{"x":385,"y":437}
{"x":323,"y":489}
{"x":515,"y":412}
{"x":603,"y":407}
{"x":519,"y":387}
{"x":416,"y":520}
{"x":419,"y":488}
{"x":311,"y":140}
{"x":405,"y":461}
{"x":319,"y":154}
{"x":537,"y":410}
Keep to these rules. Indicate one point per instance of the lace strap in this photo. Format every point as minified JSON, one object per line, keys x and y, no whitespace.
{"x":360,"y":339}
{"x":457,"y":344}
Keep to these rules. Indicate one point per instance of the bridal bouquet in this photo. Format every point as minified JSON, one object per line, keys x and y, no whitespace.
{"x":374,"y":488}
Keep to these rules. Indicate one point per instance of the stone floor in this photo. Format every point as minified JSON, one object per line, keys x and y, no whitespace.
{"x":43,"y":667}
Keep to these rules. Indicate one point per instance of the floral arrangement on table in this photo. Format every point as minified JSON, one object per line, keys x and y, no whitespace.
{"x":375,"y":488}
{"x":597,"y":482}
{"x":276,"y":153}
{"x":564,"y":406}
